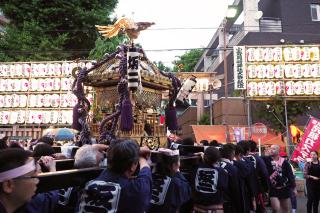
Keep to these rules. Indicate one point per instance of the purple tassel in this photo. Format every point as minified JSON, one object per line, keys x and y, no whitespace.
{"x":126,"y":122}
{"x":171,"y":118}
{"x":76,"y":115}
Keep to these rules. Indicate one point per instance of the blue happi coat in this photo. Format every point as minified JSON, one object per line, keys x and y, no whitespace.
{"x":113,"y":193}
{"x":169,"y":193}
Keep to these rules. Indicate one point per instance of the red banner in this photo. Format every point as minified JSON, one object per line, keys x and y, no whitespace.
{"x":310,"y":141}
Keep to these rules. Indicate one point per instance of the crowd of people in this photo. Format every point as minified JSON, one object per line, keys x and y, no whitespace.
{"x":229,"y":178}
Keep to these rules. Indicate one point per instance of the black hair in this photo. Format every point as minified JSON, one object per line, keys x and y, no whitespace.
{"x":12,"y":158}
{"x":204,"y":142}
{"x":46,"y":140}
{"x":121,"y":155}
{"x":15,"y":145}
{"x":245,"y":146}
{"x":239,"y":150}
{"x":214,"y":143}
{"x":252,"y":145}
{"x":188,"y":141}
{"x":3,"y":144}
{"x":227,"y":150}
{"x":42,"y":149}
{"x":165,"y":166}
{"x":211,"y":155}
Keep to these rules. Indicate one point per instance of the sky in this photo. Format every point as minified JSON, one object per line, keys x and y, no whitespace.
{"x":167,"y":14}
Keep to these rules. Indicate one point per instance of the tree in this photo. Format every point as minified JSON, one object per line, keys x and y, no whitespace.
{"x":273,"y":112}
{"x":188,"y":61}
{"x":162,"y":67}
{"x":52,"y":30}
{"x":103,"y":46}
{"x":205,"y":119}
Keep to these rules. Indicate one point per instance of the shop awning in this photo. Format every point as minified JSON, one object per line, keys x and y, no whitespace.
{"x":219,"y":133}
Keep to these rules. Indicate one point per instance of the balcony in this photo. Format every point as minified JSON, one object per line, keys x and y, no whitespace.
{"x":270,"y":24}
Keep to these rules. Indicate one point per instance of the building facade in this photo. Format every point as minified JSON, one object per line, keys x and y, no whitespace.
{"x":264,"y":22}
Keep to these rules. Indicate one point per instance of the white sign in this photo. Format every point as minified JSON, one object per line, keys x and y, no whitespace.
{"x":240,"y":74}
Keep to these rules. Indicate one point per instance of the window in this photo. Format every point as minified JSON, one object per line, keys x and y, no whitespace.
{"x":315,"y":12}
{"x":193,"y":102}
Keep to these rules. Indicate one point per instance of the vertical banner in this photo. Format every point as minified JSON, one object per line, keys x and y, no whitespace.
{"x":239,"y":133}
{"x":240,"y":74}
{"x":310,"y":141}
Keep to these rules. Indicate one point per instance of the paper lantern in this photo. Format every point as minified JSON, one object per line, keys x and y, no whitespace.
{"x":26,"y":70}
{"x":314,"y":54}
{"x":15,"y":100}
{"x":35,"y":70}
{"x":315,"y":70}
{"x":305,"y":53}
{"x":269,"y":71}
{"x":306,"y":70}
{"x":280,"y":88}
{"x":308,"y":87}
{"x":316,"y":87}
{"x":287,"y":54}
{"x":57,"y":69}
{"x":288,"y":69}
{"x":290,"y":88}
{"x":34,"y":84}
{"x":261,"y":73}
{"x":297,"y":71}
{"x":1,"y":101}
{"x":278,"y":71}
{"x":13,"y":117}
{"x":47,"y":100}
{"x":32,"y":100}
{"x":250,"y":54}
{"x":55,"y":100}
{"x":40,"y":100}
{"x":268,"y":54}
{"x":19,"y":70}
{"x":21,"y":116}
{"x":251,"y":70}
{"x":296,"y":53}
{"x":42,"y":70}
{"x":299,"y":88}
{"x":258,"y":54}
{"x":262,"y":89}
{"x":271,"y":88}
{"x":23,"y":100}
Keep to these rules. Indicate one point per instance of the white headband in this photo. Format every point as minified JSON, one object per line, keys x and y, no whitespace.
{"x":17,"y":172}
{"x":168,"y":152}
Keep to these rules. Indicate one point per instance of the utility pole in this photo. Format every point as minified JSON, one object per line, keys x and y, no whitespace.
{"x":225,"y":63}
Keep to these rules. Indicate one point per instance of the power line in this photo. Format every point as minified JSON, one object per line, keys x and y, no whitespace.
{"x":273,"y":26}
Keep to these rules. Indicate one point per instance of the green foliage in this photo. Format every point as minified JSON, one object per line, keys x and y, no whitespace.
{"x":52,"y":30}
{"x":273,"y":112}
{"x":205,"y":119}
{"x":188,"y":60}
{"x":103,"y":46}
{"x":162,"y":67}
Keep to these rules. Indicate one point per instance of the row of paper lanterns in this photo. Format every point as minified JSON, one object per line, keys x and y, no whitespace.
{"x":40,"y":69}
{"x":289,"y":88}
{"x":41,"y":85}
{"x":39,"y":100}
{"x":281,"y":71}
{"x":36,"y":117}
{"x":278,"y":54}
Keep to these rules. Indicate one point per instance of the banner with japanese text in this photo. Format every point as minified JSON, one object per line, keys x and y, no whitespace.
{"x":310,"y":141}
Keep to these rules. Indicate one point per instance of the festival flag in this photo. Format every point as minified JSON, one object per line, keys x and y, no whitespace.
{"x":310,"y":141}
